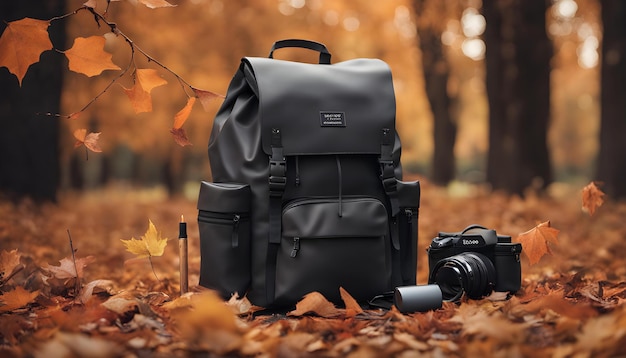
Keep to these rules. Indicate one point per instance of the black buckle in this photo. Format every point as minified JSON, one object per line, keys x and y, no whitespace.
{"x":277,"y":179}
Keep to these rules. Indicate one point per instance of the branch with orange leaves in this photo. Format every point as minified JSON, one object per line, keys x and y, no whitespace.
{"x":28,"y":38}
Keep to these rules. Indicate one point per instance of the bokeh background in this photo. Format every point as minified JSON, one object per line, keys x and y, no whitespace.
{"x":203,"y":41}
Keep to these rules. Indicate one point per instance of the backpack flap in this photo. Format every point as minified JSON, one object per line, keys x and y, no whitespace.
{"x":321,"y":109}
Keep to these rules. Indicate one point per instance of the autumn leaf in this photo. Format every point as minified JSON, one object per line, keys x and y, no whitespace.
{"x":154,"y":4}
{"x":315,"y":302}
{"x":535,"y":241}
{"x":352,"y":306}
{"x":91,"y":3}
{"x":87,"y":291}
{"x":181,"y":117}
{"x":206,"y":323}
{"x":21,"y":44}
{"x":67,"y":269}
{"x":593,"y":198}
{"x":242,"y":306}
{"x":87,"y":56}
{"x":16,"y":298}
{"x":206,"y":97}
{"x":90,"y":141}
{"x":139,"y":94}
{"x":180,"y":136}
{"x":9,"y":265}
{"x":150,"y":244}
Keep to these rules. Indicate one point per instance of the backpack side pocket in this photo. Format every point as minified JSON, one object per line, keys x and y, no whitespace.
{"x":405,"y":254}
{"x":224,"y":224}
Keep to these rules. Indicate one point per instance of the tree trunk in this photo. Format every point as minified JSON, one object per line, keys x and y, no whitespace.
{"x":29,"y":155}
{"x":517,"y":58}
{"x":612,"y":156}
{"x":436,"y":72}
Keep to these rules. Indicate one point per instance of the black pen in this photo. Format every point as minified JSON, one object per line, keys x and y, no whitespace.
{"x":183,"y":256}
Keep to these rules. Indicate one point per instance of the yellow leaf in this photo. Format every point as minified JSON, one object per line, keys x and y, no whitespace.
{"x":181,"y":117}
{"x":87,"y":56}
{"x":139,"y":94}
{"x":535,"y":241}
{"x":593,"y":198}
{"x":19,"y":297}
{"x":151,"y":244}
{"x":21,"y":44}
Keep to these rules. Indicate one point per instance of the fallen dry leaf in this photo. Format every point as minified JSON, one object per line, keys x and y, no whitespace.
{"x":67,"y":269}
{"x":316,"y":303}
{"x":9,"y":265}
{"x":16,"y":298}
{"x":535,"y":241}
{"x":352,"y":306}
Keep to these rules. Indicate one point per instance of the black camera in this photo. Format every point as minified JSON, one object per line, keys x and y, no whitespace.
{"x":475,"y":261}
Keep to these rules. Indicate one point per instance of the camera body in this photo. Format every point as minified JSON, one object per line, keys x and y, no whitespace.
{"x":475,"y":261}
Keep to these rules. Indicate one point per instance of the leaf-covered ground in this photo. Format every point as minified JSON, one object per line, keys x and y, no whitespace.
{"x":572,"y":302}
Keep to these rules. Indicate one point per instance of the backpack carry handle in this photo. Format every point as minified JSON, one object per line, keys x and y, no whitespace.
{"x":307,"y":44}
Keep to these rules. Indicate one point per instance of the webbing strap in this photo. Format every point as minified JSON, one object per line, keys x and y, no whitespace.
{"x":277,"y":183}
{"x":387,"y":170}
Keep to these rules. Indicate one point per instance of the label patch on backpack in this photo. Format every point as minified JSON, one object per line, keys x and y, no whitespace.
{"x":332,"y":119}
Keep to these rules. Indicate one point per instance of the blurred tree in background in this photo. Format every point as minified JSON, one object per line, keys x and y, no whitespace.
{"x":517,"y":59}
{"x":612,"y":157}
{"x":29,"y":154}
{"x":506,"y":92}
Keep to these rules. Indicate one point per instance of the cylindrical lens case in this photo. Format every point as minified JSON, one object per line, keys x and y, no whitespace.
{"x":417,"y":298}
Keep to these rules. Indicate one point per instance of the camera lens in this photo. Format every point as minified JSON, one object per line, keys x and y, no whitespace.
{"x":472,"y":273}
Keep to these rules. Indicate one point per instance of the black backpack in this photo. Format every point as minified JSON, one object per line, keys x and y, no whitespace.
{"x":307,"y":192}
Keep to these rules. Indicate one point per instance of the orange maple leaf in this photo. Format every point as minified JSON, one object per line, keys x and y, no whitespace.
{"x":21,"y":44}
{"x":206,"y":97}
{"x":593,"y":198}
{"x":90,"y":141}
{"x":180,"y":136}
{"x":181,"y":117}
{"x":18,"y":297}
{"x":139,"y":94}
{"x":87,"y":56}
{"x":535,"y":241}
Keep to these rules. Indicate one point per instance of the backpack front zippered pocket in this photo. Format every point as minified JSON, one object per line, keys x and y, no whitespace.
{"x":329,"y":243}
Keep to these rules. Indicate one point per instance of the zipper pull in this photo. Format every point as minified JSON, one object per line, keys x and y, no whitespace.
{"x":235,"y":234}
{"x":409,"y":215}
{"x":296,"y":247}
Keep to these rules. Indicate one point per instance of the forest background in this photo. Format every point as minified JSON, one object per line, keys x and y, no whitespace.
{"x":203,"y":40}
